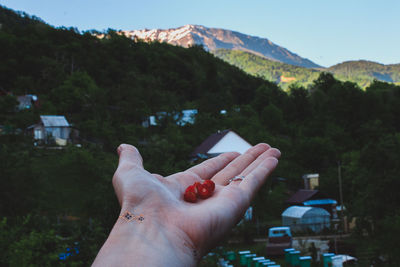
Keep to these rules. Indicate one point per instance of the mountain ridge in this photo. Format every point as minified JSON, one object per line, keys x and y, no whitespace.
{"x":215,"y":38}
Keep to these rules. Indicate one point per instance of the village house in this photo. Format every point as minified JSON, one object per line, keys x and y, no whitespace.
{"x":311,"y":181}
{"x":26,"y":101}
{"x":51,"y":129}
{"x":313,"y":198}
{"x":218,"y":143}
{"x":186,"y":116}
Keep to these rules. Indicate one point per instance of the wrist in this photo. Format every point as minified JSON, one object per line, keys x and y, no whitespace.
{"x":140,"y":239}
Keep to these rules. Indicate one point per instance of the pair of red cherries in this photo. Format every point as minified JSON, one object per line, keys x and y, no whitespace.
{"x":199,"y":190}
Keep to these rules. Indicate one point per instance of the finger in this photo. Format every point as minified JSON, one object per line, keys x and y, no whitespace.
{"x":158,"y":176}
{"x":210,"y":167}
{"x":256,"y":178}
{"x":272,"y":152}
{"x":239,"y":164}
{"x":129,"y":157}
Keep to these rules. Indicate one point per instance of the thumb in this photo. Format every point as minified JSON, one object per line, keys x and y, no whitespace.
{"x":129,"y":156}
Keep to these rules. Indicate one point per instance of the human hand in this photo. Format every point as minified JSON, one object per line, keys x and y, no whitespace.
{"x":191,"y":229}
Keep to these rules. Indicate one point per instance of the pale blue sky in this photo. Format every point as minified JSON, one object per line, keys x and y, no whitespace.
{"x":326,"y":32}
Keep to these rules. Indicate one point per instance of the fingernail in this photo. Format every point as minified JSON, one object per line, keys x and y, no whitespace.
{"x":121,"y":147}
{"x":277,"y":152}
{"x":271,"y":162}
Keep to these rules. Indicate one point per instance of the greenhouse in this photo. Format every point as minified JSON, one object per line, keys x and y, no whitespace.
{"x":300,"y":218}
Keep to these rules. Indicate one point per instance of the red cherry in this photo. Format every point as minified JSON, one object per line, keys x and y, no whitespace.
{"x":209,"y":184}
{"x":190,"y":194}
{"x":196,"y":189}
{"x":203,"y":191}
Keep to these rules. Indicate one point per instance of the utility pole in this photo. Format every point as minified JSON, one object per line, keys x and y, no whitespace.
{"x":340,"y":192}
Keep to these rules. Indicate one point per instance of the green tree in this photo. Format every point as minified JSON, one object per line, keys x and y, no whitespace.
{"x":77,"y":94}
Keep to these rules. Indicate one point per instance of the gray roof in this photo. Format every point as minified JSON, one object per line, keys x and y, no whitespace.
{"x":54,"y":121}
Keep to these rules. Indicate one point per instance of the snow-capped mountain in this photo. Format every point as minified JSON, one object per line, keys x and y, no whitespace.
{"x":213,"y":39}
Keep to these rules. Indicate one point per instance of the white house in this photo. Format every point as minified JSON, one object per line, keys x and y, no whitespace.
{"x":221,"y":142}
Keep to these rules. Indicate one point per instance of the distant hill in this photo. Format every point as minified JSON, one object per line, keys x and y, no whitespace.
{"x":361,"y":72}
{"x":364,"y":72}
{"x":214,"y":38}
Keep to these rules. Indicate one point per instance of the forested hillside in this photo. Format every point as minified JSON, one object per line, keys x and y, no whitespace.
{"x":268,"y":69}
{"x":365,"y":72}
{"x":360,"y":72}
{"x":106,"y":87}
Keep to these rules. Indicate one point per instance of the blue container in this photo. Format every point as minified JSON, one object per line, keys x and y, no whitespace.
{"x":257,"y":260}
{"x":295,"y":258}
{"x":231,"y":256}
{"x":263,"y":261}
{"x":305,"y":261}
{"x":327,"y":258}
{"x":287,"y":255}
{"x":242,"y":258}
{"x":269,"y":263}
{"x":249,"y":259}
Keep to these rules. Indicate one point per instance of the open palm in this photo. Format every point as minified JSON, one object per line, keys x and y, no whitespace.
{"x":202,"y":223}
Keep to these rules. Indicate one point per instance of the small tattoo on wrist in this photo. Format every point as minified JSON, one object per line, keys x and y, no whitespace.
{"x":129,"y":216}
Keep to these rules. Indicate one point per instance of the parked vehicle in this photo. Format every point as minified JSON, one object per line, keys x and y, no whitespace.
{"x":279,"y":238}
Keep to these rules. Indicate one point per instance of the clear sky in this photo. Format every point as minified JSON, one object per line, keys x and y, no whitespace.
{"x":326,"y":32}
